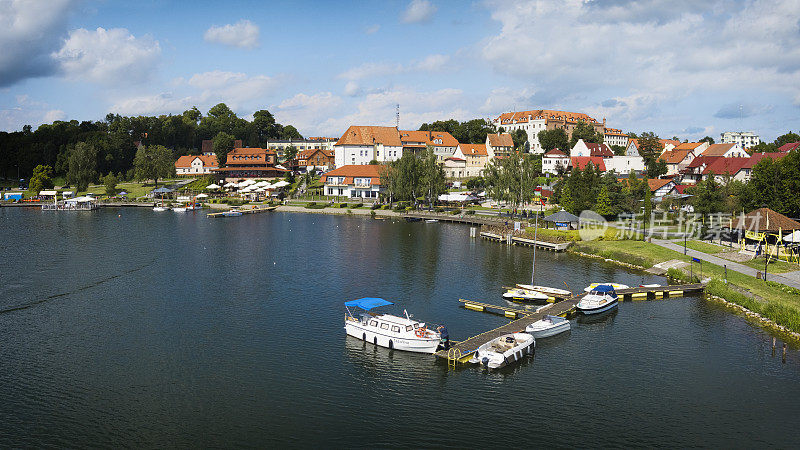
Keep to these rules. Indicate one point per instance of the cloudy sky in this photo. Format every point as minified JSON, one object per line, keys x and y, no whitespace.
{"x":677,"y":67}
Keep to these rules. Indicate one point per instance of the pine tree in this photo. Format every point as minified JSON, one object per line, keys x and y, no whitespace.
{"x":603,"y":205}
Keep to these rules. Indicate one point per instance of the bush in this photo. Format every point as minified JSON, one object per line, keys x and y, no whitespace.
{"x":358,"y":205}
{"x":470,"y":212}
{"x":342,"y":205}
{"x":455,"y":212}
{"x":311,"y":204}
{"x":409,"y":208}
{"x":372,"y":214}
{"x":440,"y":210}
{"x":375,"y":206}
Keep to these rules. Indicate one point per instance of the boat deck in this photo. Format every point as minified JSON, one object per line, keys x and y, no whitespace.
{"x":461,"y":351}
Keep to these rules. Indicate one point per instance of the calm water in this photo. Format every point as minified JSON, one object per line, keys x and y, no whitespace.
{"x":151,"y":329}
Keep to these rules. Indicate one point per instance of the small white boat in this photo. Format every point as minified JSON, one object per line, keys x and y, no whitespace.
{"x":431,"y":220}
{"x":614,"y":285}
{"x":179,"y":209}
{"x":649,"y":285}
{"x":160,"y":207}
{"x":503,"y":350}
{"x":385,"y":330}
{"x":552,"y":292}
{"x":232,"y":213}
{"x":600,"y":299}
{"x":524,"y":295}
{"x":548,"y":326}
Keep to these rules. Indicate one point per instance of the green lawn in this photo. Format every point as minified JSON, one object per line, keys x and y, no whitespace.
{"x":705,"y":247}
{"x":775,"y":266}
{"x":777,"y":302}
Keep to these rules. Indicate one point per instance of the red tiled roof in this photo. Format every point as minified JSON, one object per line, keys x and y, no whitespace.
{"x":679,"y":188}
{"x":555,"y":153}
{"x":664,"y":142}
{"x":688,"y":146}
{"x":305,"y":154}
{"x":601,"y":150}
{"x":765,"y":219}
{"x":355,"y":171}
{"x":786,"y":148}
{"x":717,"y":149}
{"x":370,"y":135}
{"x":248,"y":155}
{"x":500,"y":140}
{"x":522,"y":116}
{"x":429,"y":138}
{"x":725,"y":166}
{"x":657,"y":183}
{"x":580,"y":162}
{"x":702,"y":159}
{"x":473,"y":149}
{"x":186,"y":161}
{"x":675,"y":156}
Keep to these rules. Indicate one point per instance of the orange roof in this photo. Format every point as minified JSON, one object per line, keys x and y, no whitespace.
{"x":717,"y":149}
{"x":657,"y":183}
{"x":370,"y":135}
{"x":186,"y":161}
{"x":522,"y":116}
{"x":688,"y":146}
{"x":355,"y":171}
{"x":555,"y":153}
{"x":664,"y":142}
{"x":305,"y":154}
{"x":580,"y":162}
{"x":429,"y":138}
{"x":674,"y":156}
{"x":634,"y":141}
{"x":473,"y":149}
{"x":500,"y":140}
{"x":248,"y":155}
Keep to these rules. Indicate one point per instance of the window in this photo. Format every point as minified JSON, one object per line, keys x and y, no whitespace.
{"x":373,"y":323}
{"x":416,"y":325}
{"x":384,"y":326}
{"x":395,"y":329}
{"x":409,"y":328}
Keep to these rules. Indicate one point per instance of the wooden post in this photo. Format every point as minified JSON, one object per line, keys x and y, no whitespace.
{"x":773,"y":346}
{"x":784,"y":353}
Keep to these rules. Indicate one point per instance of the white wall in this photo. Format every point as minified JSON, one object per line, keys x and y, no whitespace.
{"x":345,"y":155}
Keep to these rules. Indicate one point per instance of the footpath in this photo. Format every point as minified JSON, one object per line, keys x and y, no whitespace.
{"x":789,"y":279}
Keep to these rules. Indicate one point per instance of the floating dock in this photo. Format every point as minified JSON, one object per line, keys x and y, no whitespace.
{"x":516,"y":240}
{"x":461,"y":351}
{"x":244,"y":211}
{"x":469,"y":219}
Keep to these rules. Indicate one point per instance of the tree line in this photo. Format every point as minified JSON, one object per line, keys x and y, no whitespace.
{"x":414,"y":177}
{"x":110,"y":146}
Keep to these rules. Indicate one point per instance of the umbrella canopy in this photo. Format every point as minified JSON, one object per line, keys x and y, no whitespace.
{"x":212,"y":186}
{"x":162,"y":190}
{"x":281,"y":183}
{"x":202,"y":196}
{"x":122,"y":194}
{"x":456,"y":197}
{"x":562,"y":217}
{"x":792,"y":237}
{"x":230,"y":184}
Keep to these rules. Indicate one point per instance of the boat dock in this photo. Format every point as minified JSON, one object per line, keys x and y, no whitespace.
{"x":244,"y":211}
{"x":516,"y":240}
{"x":469,"y":219}
{"x":461,"y":351}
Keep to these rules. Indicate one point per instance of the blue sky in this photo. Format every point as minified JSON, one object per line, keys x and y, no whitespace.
{"x":682,"y":67}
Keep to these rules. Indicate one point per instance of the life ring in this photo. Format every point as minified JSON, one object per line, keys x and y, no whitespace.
{"x":420,"y":332}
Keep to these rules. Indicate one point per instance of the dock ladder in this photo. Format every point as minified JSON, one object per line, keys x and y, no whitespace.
{"x":453,"y":355}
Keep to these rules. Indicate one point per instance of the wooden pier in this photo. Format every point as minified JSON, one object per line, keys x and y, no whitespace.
{"x":469,"y":219}
{"x":244,"y":211}
{"x":461,"y":351}
{"x":516,"y":240}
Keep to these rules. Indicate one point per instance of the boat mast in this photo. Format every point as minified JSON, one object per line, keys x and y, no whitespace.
{"x":535,"y":235}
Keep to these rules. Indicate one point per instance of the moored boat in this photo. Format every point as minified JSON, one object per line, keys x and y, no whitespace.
{"x":600,"y":299}
{"x":386,"y":330}
{"x":524,"y":295}
{"x":614,"y":285}
{"x":160,"y":207}
{"x":232,"y":213}
{"x":431,"y":220}
{"x":179,"y":209}
{"x":552,"y":292}
{"x":503,"y":350}
{"x":548,"y":326}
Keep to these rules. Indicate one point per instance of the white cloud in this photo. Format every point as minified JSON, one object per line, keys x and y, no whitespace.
{"x":237,"y":90}
{"x":53,"y":115}
{"x":649,"y":53}
{"x":28,"y":111}
{"x":506,"y":99}
{"x":30,"y":30}
{"x":112,"y":56}
{"x":242,"y":34}
{"x":419,"y":11}
{"x":372,"y":29}
{"x":352,"y":89}
{"x":432,"y":63}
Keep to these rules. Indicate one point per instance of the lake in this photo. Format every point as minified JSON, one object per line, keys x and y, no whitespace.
{"x":127,"y":327}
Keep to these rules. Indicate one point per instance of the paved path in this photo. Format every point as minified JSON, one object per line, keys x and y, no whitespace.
{"x":791,"y":279}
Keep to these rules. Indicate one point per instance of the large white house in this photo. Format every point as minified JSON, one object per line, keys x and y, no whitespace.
{"x":623,"y":165}
{"x":554,"y":160}
{"x":535,"y":121}
{"x":745,"y":139}
{"x":360,"y":145}
{"x":725,"y":150}
{"x":359,"y":181}
{"x":196,"y":165}
{"x":614,"y":136}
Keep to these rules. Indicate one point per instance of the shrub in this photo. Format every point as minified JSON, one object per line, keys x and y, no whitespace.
{"x":375,"y":206}
{"x":311,"y":205}
{"x":342,"y":205}
{"x":455,"y":212}
{"x":470,"y":212}
{"x":440,"y":210}
{"x":358,"y":205}
{"x":372,"y":214}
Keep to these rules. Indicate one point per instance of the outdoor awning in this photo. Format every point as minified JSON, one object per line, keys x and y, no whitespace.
{"x":562,"y":217}
{"x":281,"y":183}
{"x":162,"y":190}
{"x":122,"y":194}
{"x":368,"y":303}
{"x":48,"y":193}
{"x":212,"y":186}
{"x":202,"y":195}
{"x":456,"y":197}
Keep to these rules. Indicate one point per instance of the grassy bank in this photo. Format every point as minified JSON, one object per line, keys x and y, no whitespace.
{"x":704,"y":247}
{"x":775,"y":301}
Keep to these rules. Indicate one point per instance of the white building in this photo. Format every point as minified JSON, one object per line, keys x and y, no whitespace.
{"x":591,"y":149}
{"x":745,"y":139}
{"x":455,"y":167}
{"x":312,"y":143}
{"x":360,"y":145}
{"x":614,"y":136}
{"x":725,"y":150}
{"x":196,"y":165}
{"x":535,"y":121}
{"x":361,"y":181}
{"x":553,"y":160}
{"x":623,"y":165}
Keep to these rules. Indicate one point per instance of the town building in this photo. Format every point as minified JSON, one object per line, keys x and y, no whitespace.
{"x":786,"y":148}
{"x":192,"y":165}
{"x":724,"y":168}
{"x":538,"y":120}
{"x":668,"y":144}
{"x":250,"y":163}
{"x":623,"y":165}
{"x":661,"y":187}
{"x":279,"y":146}
{"x":555,"y":161}
{"x":315,"y":159}
{"x":591,"y":149}
{"x":614,"y":136}
{"x":353,"y":181}
{"x":499,"y":145}
{"x":677,"y":160}
{"x":633,"y":147}
{"x":725,"y":150}
{"x":443,"y":143}
{"x":360,"y":145}
{"x":455,"y":167}
{"x":475,"y":158}
{"x":745,"y":139}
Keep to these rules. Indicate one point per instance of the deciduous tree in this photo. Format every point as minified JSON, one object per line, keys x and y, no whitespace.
{"x":82,"y":165}
{"x":153,"y":162}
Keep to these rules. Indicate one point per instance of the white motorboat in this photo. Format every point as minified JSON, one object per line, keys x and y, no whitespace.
{"x":600,"y":299}
{"x":232,"y":213}
{"x":503,"y":350}
{"x":552,"y":292}
{"x":385,"y":330}
{"x":524,"y":295}
{"x":179,"y":209}
{"x":160,"y":207}
{"x":614,"y":285}
{"x":548,"y":326}
{"x":431,"y":220}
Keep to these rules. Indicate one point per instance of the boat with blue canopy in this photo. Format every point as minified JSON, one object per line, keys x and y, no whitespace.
{"x":601,"y":298}
{"x":386,"y":330}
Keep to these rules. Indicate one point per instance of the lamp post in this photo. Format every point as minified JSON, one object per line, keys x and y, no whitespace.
{"x":684,"y":242}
